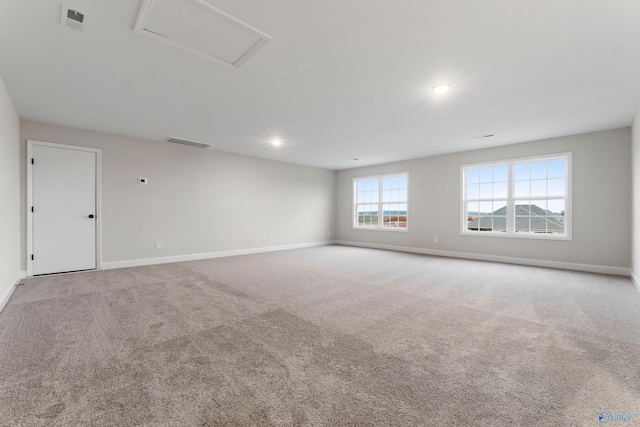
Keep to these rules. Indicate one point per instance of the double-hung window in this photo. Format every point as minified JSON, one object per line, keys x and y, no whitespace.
{"x":518,"y":198}
{"x":381,"y":202}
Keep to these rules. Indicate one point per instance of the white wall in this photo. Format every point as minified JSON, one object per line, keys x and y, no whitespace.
{"x":197,"y":201}
{"x":635,"y":243}
{"x":9,"y":195}
{"x":601,"y":203}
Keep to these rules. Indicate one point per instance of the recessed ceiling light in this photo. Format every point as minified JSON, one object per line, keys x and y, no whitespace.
{"x":441,"y":88}
{"x":276,"y":142}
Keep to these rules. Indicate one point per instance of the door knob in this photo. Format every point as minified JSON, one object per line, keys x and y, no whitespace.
{"x":91,"y":216}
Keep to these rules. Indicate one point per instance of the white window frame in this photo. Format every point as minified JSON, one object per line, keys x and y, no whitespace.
{"x":354,"y":204}
{"x":511,"y":199}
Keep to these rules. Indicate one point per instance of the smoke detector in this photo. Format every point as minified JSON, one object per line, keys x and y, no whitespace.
{"x":73,"y":19}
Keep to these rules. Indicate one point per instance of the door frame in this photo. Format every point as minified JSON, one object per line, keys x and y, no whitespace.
{"x":98,"y":152}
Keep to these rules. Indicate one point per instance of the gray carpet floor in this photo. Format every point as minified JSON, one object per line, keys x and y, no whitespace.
{"x":328,"y":336}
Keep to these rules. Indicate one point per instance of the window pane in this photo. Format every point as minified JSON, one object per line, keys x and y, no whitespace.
{"x":500,"y":190}
{"x":522,"y":208}
{"x":472,"y":208}
{"x":539,"y":207}
{"x":402,"y":220}
{"x":386,"y":195}
{"x":473,"y":191}
{"x":555,"y":225}
{"x":500,"y":208}
{"x":538,"y":224}
{"x":485,"y":223}
{"x":473,"y":176}
{"x":367,"y":215}
{"x":361,"y":209}
{"x":373,"y":215}
{"x":555,"y":207}
{"x":522,"y":172}
{"x":395,"y":215}
{"x":539,"y":170}
{"x":539,"y":188}
{"x":486,"y":175}
{"x":402,"y":181}
{"x":499,"y":223}
{"x":394,"y":182}
{"x":472,"y":215}
{"x":521,"y":188}
{"x":500,"y":174}
{"x":486,"y":191}
{"x":522,"y":224}
{"x":556,"y":168}
{"x":472,"y":223}
{"x":556,"y":187}
{"x":486,"y":208}
{"x":360,"y":185}
{"x":402,"y":195}
{"x":386,"y":183}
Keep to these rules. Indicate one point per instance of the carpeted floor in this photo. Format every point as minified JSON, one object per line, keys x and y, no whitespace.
{"x":332,"y":336}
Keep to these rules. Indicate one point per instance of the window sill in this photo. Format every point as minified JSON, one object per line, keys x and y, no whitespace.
{"x":535,"y":236}
{"x":396,"y":230}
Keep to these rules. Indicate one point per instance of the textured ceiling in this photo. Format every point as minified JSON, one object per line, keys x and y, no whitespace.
{"x":340,"y":79}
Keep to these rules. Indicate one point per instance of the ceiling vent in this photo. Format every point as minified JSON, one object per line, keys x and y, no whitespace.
{"x":199,"y":28}
{"x":185,"y":142}
{"x":73,"y":19}
{"x":483,"y":136}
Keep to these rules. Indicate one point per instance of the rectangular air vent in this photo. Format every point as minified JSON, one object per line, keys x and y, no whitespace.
{"x":185,"y":142}
{"x":73,"y":19}
{"x":483,"y":136}
{"x":199,"y":28}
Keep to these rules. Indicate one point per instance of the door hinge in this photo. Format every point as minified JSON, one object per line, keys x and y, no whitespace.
{"x":31,"y":257}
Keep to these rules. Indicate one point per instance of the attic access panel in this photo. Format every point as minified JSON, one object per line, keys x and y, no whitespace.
{"x":200,"y":28}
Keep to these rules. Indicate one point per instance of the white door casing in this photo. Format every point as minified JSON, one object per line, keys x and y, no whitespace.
{"x":63,"y":192}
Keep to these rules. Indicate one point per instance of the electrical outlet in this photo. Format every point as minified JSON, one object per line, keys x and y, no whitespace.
{"x":435,"y":240}
{"x":158,"y":246}
{"x":328,"y":233}
{"x":264,"y":237}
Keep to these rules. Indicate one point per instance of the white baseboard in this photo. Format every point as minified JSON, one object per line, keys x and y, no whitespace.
{"x":194,"y":257}
{"x":634,"y":280}
{"x":620,"y":271}
{"x":7,"y":295}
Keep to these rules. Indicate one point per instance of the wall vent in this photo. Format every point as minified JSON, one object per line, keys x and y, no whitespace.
{"x":179,"y":141}
{"x":73,"y":19}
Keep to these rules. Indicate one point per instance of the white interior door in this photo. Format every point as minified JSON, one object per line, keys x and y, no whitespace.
{"x":64,"y":209}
